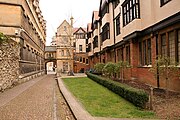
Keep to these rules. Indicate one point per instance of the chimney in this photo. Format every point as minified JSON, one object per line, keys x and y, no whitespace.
{"x":71,"y":21}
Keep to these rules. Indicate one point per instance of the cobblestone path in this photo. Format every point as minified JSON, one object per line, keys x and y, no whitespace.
{"x":36,"y":102}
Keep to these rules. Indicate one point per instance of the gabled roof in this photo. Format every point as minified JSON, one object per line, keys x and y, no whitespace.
{"x":63,"y":23}
{"x":80,"y":28}
{"x":75,"y":29}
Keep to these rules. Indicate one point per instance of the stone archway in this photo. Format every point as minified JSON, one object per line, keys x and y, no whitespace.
{"x":50,"y":66}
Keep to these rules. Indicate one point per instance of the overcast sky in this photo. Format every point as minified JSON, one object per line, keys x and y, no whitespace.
{"x":55,"y":11}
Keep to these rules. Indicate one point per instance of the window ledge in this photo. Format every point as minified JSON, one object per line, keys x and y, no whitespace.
{"x":145,"y":66}
{"x":178,"y":66}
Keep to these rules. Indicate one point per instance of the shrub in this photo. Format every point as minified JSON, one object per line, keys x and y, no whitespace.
{"x":109,"y":69}
{"x":136,"y":96}
{"x":99,"y":67}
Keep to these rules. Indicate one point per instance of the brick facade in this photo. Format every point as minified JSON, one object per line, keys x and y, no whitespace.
{"x":81,"y":63}
{"x":139,"y":41}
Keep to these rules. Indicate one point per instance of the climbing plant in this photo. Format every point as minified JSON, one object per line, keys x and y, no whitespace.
{"x":3,"y":38}
{"x":165,"y":68}
{"x":120,"y":68}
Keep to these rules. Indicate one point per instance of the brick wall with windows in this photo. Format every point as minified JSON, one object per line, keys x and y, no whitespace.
{"x":164,"y":43}
{"x":145,"y":57}
{"x":169,"y":44}
{"x":145,"y":34}
{"x":81,"y":62}
{"x":119,"y":54}
{"x":142,"y":52}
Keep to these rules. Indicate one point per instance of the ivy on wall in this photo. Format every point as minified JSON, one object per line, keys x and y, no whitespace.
{"x":3,"y":38}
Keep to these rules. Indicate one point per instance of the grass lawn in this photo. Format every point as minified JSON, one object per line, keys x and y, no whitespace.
{"x":101,"y":102}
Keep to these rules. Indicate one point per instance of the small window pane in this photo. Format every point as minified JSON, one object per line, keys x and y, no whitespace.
{"x":140,"y":53}
{"x":144,"y":55}
{"x":178,"y":45}
{"x":80,"y":48}
{"x":172,"y":46}
{"x":163,"y":45}
{"x":149,"y":51}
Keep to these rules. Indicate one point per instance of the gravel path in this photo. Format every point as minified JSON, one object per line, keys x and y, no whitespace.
{"x":35,"y":103}
{"x":63,"y":110}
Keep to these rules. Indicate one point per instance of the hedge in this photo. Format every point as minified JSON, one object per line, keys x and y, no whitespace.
{"x":136,"y":96}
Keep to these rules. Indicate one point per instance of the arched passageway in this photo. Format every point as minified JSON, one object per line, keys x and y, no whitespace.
{"x":50,"y":66}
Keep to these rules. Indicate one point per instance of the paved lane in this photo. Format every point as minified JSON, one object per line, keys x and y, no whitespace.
{"x":33,"y":102}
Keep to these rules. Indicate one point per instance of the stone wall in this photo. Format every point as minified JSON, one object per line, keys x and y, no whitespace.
{"x":28,"y":28}
{"x":9,"y":64}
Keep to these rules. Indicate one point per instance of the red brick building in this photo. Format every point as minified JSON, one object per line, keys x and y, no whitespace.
{"x":81,"y":62}
{"x":136,"y":31}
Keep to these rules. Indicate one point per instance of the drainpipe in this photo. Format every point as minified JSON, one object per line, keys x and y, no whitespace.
{"x":99,"y":45}
{"x":157,"y":54}
{"x":114,"y":34}
{"x":100,"y":53}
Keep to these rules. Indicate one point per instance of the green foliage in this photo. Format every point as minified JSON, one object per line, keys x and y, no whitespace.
{"x":99,"y":67}
{"x":120,"y":67}
{"x":136,"y":96}
{"x":165,"y":68}
{"x":3,"y":38}
{"x":103,"y":103}
{"x":109,"y":69}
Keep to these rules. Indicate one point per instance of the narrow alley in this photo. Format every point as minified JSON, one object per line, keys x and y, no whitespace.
{"x":38,"y":99}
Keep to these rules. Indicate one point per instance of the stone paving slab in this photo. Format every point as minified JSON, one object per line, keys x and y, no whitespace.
{"x":10,"y":94}
{"x":32,"y":103}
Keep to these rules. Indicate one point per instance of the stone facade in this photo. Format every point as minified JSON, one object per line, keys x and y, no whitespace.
{"x":23,"y":22}
{"x":9,"y":64}
{"x":64,"y":45}
{"x":68,"y":49}
{"x":50,"y":58}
